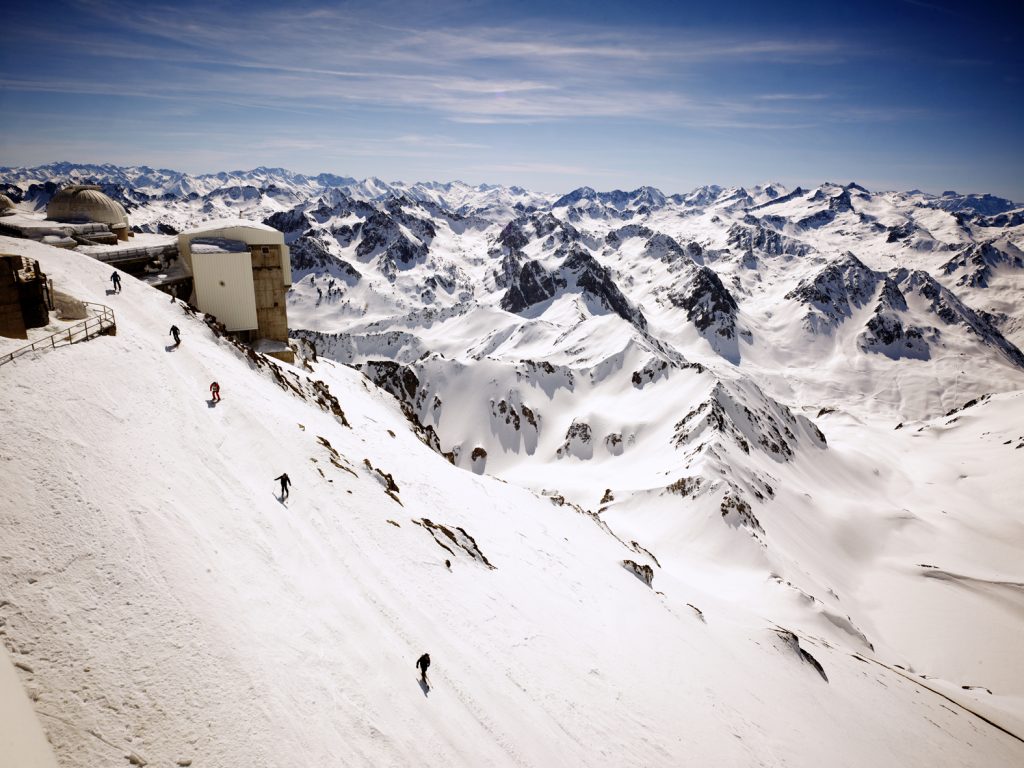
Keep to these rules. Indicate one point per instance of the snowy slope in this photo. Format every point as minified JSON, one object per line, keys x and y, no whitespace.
{"x":753,"y":392}
{"x":171,"y":608}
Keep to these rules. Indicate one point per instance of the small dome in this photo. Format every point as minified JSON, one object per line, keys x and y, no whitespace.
{"x":83,"y":203}
{"x":6,"y":204}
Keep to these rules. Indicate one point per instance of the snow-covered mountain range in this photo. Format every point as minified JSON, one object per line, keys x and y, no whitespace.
{"x":802,"y":407}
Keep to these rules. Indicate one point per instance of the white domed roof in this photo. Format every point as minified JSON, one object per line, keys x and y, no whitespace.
{"x":85,"y":203}
{"x":5,"y":203}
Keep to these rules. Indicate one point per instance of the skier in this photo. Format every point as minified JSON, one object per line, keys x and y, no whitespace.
{"x":421,"y":664}
{"x":215,"y":392}
{"x":285,"y":482}
{"x":176,"y":334}
{"x":116,"y":280}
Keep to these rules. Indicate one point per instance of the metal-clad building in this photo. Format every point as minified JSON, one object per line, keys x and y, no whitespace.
{"x":224,"y":288}
{"x":245,"y":290}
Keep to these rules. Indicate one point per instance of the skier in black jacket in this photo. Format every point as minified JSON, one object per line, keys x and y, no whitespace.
{"x":285,"y":482}
{"x":176,"y":334}
{"x":421,"y":664}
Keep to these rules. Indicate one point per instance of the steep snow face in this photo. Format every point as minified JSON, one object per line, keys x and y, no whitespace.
{"x":157,"y":574}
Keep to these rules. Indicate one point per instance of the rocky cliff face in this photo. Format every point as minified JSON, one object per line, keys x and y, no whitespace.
{"x":764,"y":240}
{"x":708,"y":303}
{"x":833,"y":293}
{"x":596,"y":282}
{"x":977,"y":264}
{"x":533,"y":285}
{"x":948,"y":308}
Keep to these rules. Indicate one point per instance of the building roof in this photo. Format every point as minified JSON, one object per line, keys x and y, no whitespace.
{"x":85,"y":202}
{"x":249,"y":232}
{"x":5,"y":203}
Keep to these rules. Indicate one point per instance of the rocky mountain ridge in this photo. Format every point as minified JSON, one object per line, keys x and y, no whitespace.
{"x":444,"y":284}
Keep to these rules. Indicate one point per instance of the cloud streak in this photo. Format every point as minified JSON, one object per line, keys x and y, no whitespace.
{"x":476,"y":74}
{"x":521,"y":91}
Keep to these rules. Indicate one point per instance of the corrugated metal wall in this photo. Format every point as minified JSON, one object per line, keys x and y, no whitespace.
{"x":224,"y":287}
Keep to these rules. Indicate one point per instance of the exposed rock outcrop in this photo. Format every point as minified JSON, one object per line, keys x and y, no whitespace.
{"x":579,"y":441}
{"x":642,"y":571}
{"x":744,"y":416}
{"x":533,"y":285}
{"x":832,"y":295}
{"x":597,"y":281}
{"x":945,"y":304}
{"x":979,"y":262}
{"x":708,"y":304}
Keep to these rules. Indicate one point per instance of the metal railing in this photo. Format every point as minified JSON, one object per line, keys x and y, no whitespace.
{"x":102,"y":321}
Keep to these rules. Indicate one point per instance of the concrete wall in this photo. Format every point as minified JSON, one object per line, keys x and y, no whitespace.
{"x":269,"y":286}
{"x":23,"y":298}
{"x":12,"y":325}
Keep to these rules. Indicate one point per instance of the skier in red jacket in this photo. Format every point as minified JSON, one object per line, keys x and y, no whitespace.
{"x":215,"y":392}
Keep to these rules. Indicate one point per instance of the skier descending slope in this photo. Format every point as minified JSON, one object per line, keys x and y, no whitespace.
{"x":285,"y":482}
{"x":116,"y":280}
{"x":176,"y":334}
{"x":215,"y":392}
{"x":421,"y":664}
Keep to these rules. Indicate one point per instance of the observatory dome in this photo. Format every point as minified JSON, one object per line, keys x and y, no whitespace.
{"x":81,"y":203}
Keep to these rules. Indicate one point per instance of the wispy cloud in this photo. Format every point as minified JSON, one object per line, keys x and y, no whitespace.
{"x":791,"y":96}
{"x":474,"y":74}
{"x":542,"y":169}
{"x":407,"y":145}
{"x":514,"y":91}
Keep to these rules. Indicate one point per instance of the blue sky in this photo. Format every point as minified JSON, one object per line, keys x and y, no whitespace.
{"x":549,"y":95}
